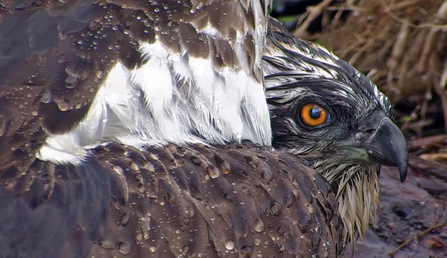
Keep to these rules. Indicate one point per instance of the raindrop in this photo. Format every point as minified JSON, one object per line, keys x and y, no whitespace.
{"x":153,"y":249}
{"x":63,"y":105}
{"x":71,"y":81}
{"x":107,"y":243}
{"x":229,"y":244}
{"x":275,"y":208}
{"x":246,"y":249}
{"x":213,"y":172}
{"x":99,"y":74}
{"x":46,"y":97}
{"x":124,"y":248}
{"x":125,"y":219}
{"x":259,"y":225}
{"x":310,"y":209}
{"x":196,"y":160}
{"x":223,"y":165}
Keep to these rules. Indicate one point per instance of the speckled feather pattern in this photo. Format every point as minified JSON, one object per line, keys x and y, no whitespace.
{"x":119,"y":200}
{"x":172,"y":201}
{"x":52,"y":66}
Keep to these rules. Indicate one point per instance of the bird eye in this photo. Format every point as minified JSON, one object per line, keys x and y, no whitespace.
{"x":314,"y":115}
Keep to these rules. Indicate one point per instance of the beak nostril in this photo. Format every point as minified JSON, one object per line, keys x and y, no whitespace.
{"x":364,"y":135}
{"x":370,"y":131}
{"x":384,"y":145}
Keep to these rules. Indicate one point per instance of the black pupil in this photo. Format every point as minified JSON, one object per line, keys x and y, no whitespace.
{"x":315,"y":112}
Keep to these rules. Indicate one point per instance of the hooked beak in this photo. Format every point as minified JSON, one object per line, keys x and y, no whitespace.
{"x":385,"y":146}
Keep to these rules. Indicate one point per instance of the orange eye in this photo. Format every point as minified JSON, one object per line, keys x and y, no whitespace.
{"x":313,"y":115}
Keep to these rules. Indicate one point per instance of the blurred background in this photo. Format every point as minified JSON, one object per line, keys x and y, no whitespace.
{"x":401,"y":45}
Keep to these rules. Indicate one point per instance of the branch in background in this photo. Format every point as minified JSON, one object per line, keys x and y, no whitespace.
{"x":427,"y":141}
{"x":430,"y":168}
{"x":313,"y":13}
{"x":415,"y":237}
{"x":399,"y":47}
{"x":443,"y":96}
{"x":441,"y":16}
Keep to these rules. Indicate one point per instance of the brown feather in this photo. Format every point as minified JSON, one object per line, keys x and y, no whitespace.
{"x":171,"y":201}
{"x":177,"y":201}
{"x":55,"y":54}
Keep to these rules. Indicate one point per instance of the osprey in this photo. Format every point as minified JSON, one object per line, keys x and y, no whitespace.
{"x":121,"y":129}
{"x":326,"y":111}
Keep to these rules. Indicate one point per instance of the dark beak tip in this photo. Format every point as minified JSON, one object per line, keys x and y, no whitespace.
{"x":403,"y":173}
{"x":403,"y":168}
{"x":402,"y":162}
{"x":390,"y":147}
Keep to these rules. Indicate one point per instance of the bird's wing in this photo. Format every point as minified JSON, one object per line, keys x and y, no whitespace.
{"x":194,"y":201}
{"x":56,"y":55}
{"x":47,"y":77}
{"x":54,"y":58}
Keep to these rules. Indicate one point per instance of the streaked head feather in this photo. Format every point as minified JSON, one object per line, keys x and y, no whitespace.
{"x":298,"y":72}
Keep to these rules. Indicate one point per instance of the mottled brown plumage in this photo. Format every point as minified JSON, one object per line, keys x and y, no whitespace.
{"x":119,"y":201}
{"x":49,"y":71}
{"x":172,"y":201}
{"x":54,"y":55}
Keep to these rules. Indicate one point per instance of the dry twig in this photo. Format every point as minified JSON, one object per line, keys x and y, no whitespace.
{"x":417,"y":236}
{"x":429,"y":168}
{"x":433,"y":156}
{"x":396,"y":38}
{"x":443,"y":96}
{"x":399,"y":47}
{"x":426,"y":141}
{"x":301,"y":31}
{"x":432,"y":38}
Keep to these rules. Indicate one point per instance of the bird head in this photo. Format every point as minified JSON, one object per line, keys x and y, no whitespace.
{"x":326,"y":111}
